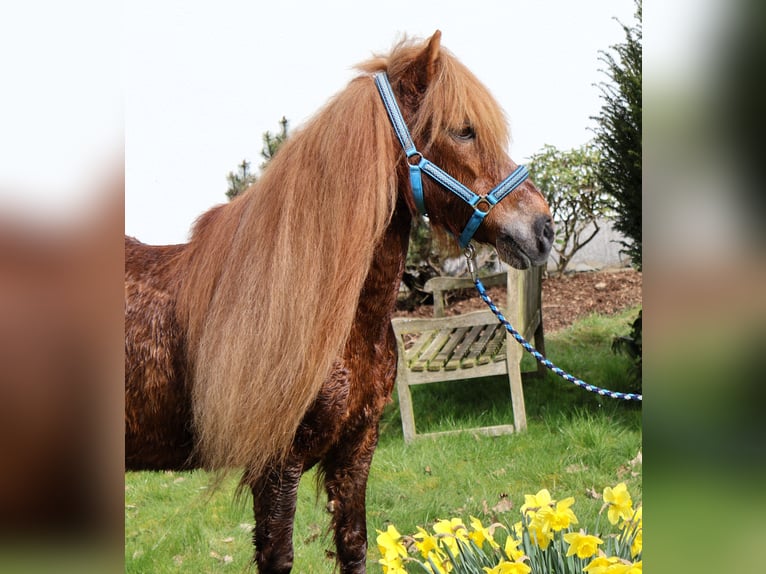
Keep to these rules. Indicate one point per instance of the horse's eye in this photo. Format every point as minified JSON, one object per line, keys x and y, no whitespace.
{"x":465,"y":133}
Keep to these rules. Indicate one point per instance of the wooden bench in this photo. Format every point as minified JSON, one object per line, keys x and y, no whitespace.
{"x":470,"y":346}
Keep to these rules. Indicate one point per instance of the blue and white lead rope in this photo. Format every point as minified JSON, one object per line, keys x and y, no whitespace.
{"x":534,"y":352}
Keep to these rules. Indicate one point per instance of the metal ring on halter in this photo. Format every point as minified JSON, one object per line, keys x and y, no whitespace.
{"x":414,"y":158}
{"x":481,"y":204}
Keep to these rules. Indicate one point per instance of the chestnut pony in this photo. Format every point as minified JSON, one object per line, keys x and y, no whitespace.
{"x":265,"y":344}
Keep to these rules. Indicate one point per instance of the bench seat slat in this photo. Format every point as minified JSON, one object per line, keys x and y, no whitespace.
{"x":501,"y":354}
{"x":493,"y":346}
{"x":444,"y":355}
{"x":416,"y":344}
{"x":420,"y":363}
{"x":478,"y":347}
{"x":457,"y":357}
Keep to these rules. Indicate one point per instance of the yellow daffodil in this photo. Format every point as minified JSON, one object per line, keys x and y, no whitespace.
{"x":479,"y":534}
{"x":390,"y":545}
{"x":511,"y":548}
{"x":454,"y":526}
{"x":561,"y":517}
{"x":540,"y":520}
{"x":539,"y":536}
{"x":601,"y":565}
{"x":534,"y":502}
{"x":620,"y":503}
{"x":518,"y":530}
{"x":425,"y":542}
{"x":508,"y":568}
{"x":449,"y":532}
{"x":638,"y":543}
{"x":584,"y":545}
{"x":392,"y":564}
{"x":553,"y":519}
{"x":635,"y":528}
{"x":612,"y":565}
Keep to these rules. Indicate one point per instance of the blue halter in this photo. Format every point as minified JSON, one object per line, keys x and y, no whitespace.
{"x":481,"y":204}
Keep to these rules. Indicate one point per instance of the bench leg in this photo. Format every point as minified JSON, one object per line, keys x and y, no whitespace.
{"x":513,"y":355}
{"x":405,"y":406}
{"x":517,"y":397}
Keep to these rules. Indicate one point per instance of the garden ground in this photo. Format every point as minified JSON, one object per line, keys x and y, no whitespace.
{"x":565,"y":297}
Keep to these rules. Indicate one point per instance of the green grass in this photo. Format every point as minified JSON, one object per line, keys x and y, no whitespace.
{"x":576,"y":442}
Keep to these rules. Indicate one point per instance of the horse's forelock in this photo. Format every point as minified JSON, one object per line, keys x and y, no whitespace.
{"x":457,"y":97}
{"x":454,"y":96}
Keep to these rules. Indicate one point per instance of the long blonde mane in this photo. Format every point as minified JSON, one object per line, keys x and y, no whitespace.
{"x":276,"y":275}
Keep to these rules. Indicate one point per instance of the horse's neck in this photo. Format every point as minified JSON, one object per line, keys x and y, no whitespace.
{"x":378,"y":297}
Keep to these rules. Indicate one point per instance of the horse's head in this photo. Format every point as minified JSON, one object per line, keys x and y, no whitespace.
{"x":458,"y":126}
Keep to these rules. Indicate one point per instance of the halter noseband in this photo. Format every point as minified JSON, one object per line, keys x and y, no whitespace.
{"x":481,"y":204}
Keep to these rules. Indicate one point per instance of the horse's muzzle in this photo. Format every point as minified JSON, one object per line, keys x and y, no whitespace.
{"x":524,"y":246}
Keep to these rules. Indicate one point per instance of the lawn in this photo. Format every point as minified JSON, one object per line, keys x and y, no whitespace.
{"x":575,"y":445}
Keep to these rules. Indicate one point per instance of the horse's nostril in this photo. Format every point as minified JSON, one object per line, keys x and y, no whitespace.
{"x":548,"y":230}
{"x":544,"y":228}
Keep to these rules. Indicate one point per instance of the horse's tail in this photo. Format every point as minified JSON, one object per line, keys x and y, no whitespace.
{"x":275,"y":277}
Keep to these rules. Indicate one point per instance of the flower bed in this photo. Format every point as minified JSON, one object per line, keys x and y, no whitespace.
{"x":544,"y":541}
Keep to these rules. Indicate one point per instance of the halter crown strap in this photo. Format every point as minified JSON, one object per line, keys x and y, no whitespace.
{"x":481,"y":204}
{"x":400,"y":127}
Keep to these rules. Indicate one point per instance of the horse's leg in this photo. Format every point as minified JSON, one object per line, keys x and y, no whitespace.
{"x":346,"y":469}
{"x":274,"y":499}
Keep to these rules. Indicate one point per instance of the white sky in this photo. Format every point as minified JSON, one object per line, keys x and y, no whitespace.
{"x":199,"y":82}
{"x":204,"y":80}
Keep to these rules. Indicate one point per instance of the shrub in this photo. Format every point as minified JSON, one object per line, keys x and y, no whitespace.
{"x":569,"y":182}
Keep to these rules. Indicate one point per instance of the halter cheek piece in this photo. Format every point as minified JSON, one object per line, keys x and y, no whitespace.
{"x":481,"y":204}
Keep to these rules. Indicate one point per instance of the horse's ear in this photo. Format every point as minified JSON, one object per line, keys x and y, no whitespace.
{"x":424,"y":66}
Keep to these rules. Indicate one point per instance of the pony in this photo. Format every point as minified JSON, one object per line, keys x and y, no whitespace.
{"x":264,"y":343}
